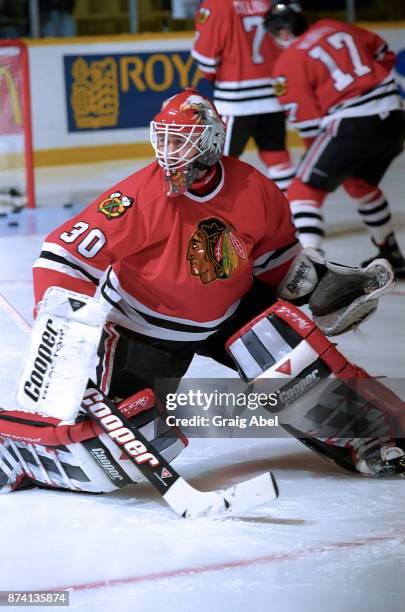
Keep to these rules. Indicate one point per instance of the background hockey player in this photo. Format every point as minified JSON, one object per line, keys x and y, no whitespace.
{"x":187,"y":267}
{"x":335,"y":79}
{"x":233,"y":51}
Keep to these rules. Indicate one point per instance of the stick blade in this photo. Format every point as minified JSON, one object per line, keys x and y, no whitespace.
{"x":251,"y":493}
{"x":191,"y":503}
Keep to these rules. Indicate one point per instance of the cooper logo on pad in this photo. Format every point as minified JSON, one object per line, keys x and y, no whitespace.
{"x":64,"y":341}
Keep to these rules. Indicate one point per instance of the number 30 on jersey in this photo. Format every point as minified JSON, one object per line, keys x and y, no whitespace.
{"x":90,"y":243}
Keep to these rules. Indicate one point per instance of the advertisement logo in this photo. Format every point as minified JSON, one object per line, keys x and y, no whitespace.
{"x":120,"y":91}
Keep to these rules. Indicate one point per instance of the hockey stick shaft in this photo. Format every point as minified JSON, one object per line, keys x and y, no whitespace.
{"x":181,"y":496}
{"x":138,"y":449}
{"x":14,"y":315}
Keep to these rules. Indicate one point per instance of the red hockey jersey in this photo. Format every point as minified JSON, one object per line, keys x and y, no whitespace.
{"x":232,"y":49}
{"x":335,"y":70}
{"x":173,"y":268}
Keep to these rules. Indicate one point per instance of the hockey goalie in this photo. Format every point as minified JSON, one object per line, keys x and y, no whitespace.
{"x":195,"y":254}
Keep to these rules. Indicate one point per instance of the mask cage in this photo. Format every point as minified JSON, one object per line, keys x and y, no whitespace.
{"x":172,"y":143}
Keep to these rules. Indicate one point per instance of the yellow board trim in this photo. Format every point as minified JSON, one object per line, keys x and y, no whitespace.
{"x":86,"y":155}
{"x":107,"y":38}
{"x":382,"y":25}
{"x":145,"y":36}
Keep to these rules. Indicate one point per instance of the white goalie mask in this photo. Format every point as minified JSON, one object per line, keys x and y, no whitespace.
{"x":188,"y":136}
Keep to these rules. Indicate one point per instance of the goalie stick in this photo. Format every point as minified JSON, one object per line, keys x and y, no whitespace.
{"x":184,"y":499}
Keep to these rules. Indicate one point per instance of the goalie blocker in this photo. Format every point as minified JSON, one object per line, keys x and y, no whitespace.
{"x":332,"y":406}
{"x":44,"y":451}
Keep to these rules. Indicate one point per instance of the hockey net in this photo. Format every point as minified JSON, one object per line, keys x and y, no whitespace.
{"x":16,"y":159}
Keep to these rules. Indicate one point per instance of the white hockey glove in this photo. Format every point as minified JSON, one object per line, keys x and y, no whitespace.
{"x":340,"y":297}
{"x":61,"y":355}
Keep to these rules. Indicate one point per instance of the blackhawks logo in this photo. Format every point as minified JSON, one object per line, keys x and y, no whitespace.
{"x":202,"y":15}
{"x":214,"y":251}
{"x":280,"y":86}
{"x":115,"y":205}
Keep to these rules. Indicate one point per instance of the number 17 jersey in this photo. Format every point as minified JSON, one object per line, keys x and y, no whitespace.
{"x":335,"y":70}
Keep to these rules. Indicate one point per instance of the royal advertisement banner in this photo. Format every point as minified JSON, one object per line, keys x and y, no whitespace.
{"x":120,"y":91}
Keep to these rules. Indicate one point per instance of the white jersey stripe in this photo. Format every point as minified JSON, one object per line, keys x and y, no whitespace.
{"x":56,"y":249}
{"x":235,"y":96}
{"x":204,"y":59}
{"x":383,"y":98}
{"x":140,"y":326}
{"x":132,"y":301}
{"x":280,"y":260}
{"x":59,"y":267}
{"x":244,"y":83}
{"x":132,"y":314}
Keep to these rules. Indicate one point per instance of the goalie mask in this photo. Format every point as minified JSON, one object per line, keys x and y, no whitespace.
{"x":285,"y":21}
{"x":188,"y":137}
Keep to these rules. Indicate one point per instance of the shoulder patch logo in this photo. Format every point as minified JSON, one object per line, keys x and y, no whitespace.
{"x":214,"y":251}
{"x":280,"y":86}
{"x":203,"y":15}
{"x":115,"y":205}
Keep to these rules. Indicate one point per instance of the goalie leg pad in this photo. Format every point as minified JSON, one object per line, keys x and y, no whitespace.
{"x":322,"y":396}
{"x":80,"y":457}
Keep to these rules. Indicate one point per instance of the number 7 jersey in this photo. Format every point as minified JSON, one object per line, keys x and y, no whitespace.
{"x":233,"y":49}
{"x":335,"y":70}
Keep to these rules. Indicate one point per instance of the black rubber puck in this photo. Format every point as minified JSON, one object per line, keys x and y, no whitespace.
{"x":13,"y":224}
{"x":3,"y":214}
{"x":68,"y":205}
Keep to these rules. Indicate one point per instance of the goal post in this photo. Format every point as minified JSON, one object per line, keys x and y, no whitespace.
{"x":16,"y":155}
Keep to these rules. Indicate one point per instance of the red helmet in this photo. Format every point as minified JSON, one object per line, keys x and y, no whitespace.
{"x":188,"y":136}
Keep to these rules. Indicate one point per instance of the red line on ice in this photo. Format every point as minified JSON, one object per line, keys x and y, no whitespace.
{"x":217,"y":567}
